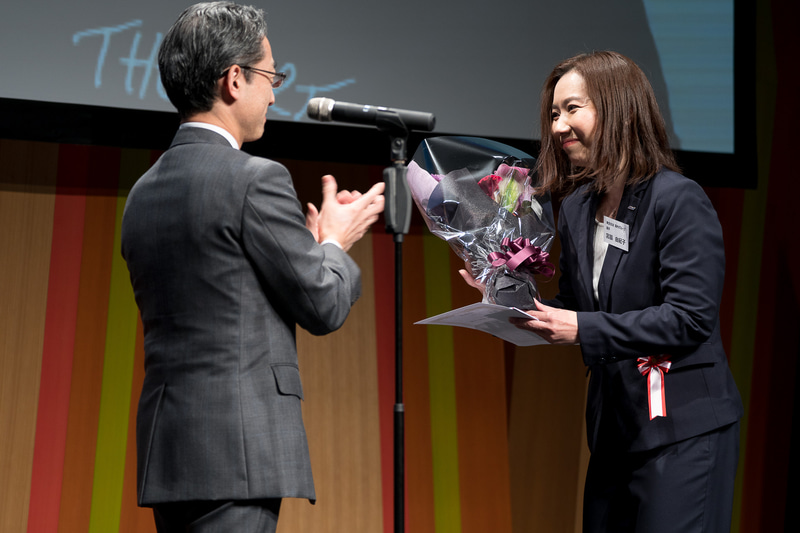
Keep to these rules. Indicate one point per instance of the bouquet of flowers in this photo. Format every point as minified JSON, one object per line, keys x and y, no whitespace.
{"x":480,"y":197}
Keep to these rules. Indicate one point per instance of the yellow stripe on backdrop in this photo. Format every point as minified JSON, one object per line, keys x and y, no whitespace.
{"x":117,"y":369}
{"x":444,"y":430}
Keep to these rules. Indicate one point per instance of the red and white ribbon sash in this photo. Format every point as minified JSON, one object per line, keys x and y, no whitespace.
{"x":654,"y":368}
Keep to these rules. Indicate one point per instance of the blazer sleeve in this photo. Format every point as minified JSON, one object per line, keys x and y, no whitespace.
{"x":665,"y":296}
{"x":312,"y":284}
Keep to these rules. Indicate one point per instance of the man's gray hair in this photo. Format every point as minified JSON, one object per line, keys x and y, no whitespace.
{"x":205,"y":41}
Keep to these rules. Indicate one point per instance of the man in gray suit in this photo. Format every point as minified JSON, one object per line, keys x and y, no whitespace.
{"x":224,"y":265}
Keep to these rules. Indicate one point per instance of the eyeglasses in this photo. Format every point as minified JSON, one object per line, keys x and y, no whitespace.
{"x":277,"y":77}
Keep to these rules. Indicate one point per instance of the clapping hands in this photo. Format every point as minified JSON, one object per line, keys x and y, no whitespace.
{"x":345,"y":216}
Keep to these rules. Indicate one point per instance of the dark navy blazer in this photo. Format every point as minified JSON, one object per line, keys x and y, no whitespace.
{"x":661,"y":297}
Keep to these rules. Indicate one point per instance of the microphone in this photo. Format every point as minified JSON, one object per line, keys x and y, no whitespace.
{"x":327,"y":110}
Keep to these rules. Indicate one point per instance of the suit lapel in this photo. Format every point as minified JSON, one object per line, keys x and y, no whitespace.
{"x":628,"y":211}
{"x":584,"y":242}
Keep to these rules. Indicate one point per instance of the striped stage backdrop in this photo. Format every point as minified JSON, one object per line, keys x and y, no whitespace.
{"x":494,"y":433}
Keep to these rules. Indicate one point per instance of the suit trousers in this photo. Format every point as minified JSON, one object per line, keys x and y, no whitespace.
{"x":249,"y":516}
{"x":686,"y":487}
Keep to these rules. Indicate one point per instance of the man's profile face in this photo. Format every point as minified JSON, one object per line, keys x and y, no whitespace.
{"x":258,"y":96}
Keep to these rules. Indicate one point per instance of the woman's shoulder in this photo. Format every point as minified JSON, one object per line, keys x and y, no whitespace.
{"x":666,"y":181}
{"x":673,"y":192}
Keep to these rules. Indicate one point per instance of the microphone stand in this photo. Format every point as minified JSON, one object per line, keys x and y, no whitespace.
{"x":397,"y":212}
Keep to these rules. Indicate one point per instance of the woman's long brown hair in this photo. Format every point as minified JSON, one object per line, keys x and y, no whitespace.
{"x":630,"y":140}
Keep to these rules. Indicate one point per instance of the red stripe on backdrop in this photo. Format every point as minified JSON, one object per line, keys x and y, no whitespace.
{"x":92,"y":314}
{"x":729,"y":204}
{"x":416,"y":386}
{"x":383,"y":265}
{"x":480,"y":367}
{"x":59,"y":340}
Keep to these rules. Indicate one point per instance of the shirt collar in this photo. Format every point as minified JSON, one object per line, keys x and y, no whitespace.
{"x":205,"y":125}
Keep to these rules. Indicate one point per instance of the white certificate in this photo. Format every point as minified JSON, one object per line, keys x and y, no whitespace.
{"x":489,"y":318}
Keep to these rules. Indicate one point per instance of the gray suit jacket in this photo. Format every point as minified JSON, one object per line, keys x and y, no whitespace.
{"x":662,"y":296}
{"x":223,"y":269}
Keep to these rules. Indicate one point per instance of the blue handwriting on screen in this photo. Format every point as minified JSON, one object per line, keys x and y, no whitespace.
{"x":147,"y":61}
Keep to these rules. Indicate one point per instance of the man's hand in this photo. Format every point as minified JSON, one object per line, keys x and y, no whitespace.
{"x":556,"y":326}
{"x":312,"y":215}
{"x":345,"y":216}
{"x":312,"y":220}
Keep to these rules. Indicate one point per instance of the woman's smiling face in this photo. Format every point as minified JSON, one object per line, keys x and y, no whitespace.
{"x":574,"y":118}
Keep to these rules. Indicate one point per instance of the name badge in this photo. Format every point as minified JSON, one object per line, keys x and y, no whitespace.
{"x":615,"y":233}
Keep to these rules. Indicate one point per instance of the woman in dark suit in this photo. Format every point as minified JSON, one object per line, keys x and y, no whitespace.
{"x":642,"y":267}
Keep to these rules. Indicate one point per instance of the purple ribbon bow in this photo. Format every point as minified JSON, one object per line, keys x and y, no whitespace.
{"x":521,"y":253}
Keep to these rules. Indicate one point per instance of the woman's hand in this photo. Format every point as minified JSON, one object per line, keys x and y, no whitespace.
{"x":556,"y":326}
{"x":466,"y":273}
